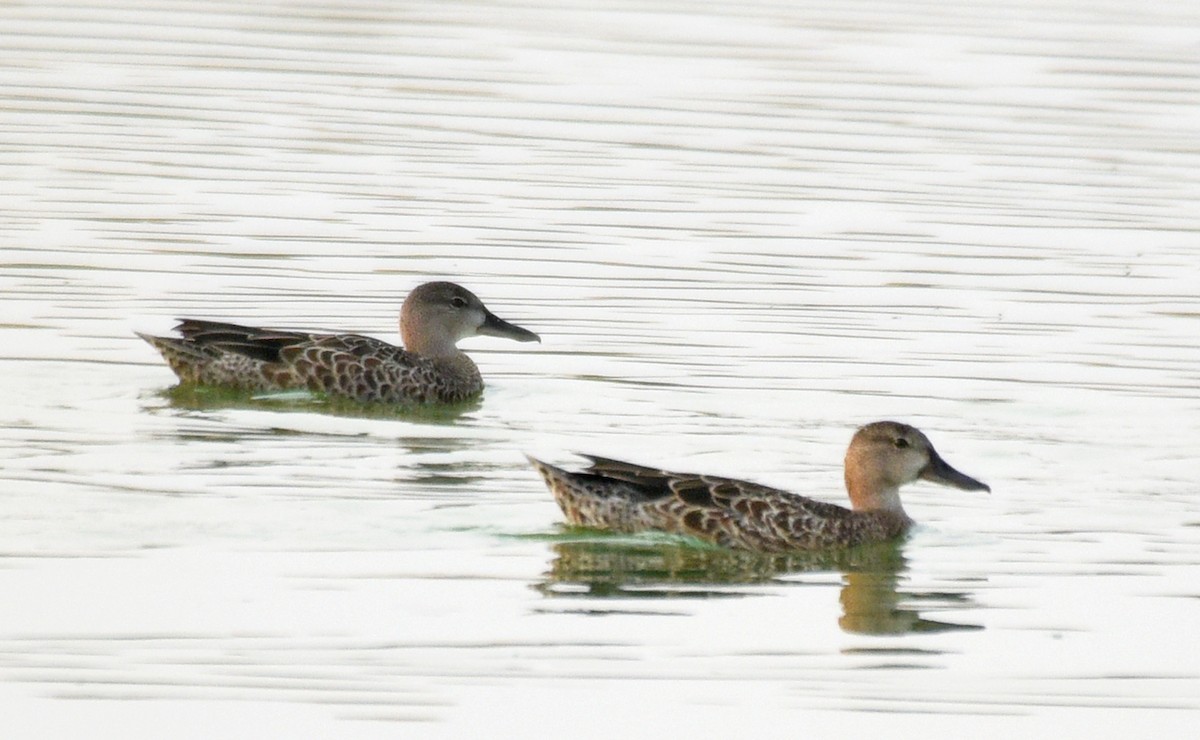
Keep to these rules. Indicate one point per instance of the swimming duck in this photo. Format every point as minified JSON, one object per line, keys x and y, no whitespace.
{"x":430,"y":368}
{"x":883,"y":456}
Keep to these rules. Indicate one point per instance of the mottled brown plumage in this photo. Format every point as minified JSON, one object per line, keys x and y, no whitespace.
{"x":431,"y":369}
{"x":883,"y":456}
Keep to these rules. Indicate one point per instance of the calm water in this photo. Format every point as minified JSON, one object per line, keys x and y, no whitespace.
{"x":741,"y":231}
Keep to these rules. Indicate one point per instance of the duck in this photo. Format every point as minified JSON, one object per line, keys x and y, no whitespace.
{"x":883,"y":456}
{"x":428,"y":369}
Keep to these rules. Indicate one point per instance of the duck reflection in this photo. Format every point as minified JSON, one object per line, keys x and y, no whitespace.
{"x":872,"y":602}
{"x":189,"y":397}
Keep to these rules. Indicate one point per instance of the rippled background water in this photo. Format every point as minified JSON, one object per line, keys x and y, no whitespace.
{"x":741,"y":230}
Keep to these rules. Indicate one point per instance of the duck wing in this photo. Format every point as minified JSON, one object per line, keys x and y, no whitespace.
{"x":345,"y":365}
{"x":269,"y":345}
{"x":728,"y":511}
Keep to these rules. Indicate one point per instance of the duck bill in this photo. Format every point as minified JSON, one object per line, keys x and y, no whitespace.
{"x":494,"y":326}
{"x":939,"y":471}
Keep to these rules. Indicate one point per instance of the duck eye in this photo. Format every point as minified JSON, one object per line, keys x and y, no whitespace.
{"x":458,"y":302}
{"x":901,"y":443}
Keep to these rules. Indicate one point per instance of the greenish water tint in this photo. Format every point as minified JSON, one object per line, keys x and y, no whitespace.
{"x":213,"y":398}
{"x":616,"y":567}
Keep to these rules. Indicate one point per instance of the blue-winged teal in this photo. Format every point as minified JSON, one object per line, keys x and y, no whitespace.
{"x":430,"y":368}
{"x":883,"y":456}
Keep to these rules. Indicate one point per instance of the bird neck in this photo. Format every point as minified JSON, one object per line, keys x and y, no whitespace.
{"x":426,"y":345}
{"x":873,"y":494}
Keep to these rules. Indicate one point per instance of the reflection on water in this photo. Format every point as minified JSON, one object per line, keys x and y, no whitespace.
{"x":209,"y":398}
{"x":649,"y":567}
{"x":608,"y":567}
{"x":873,"y":604}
